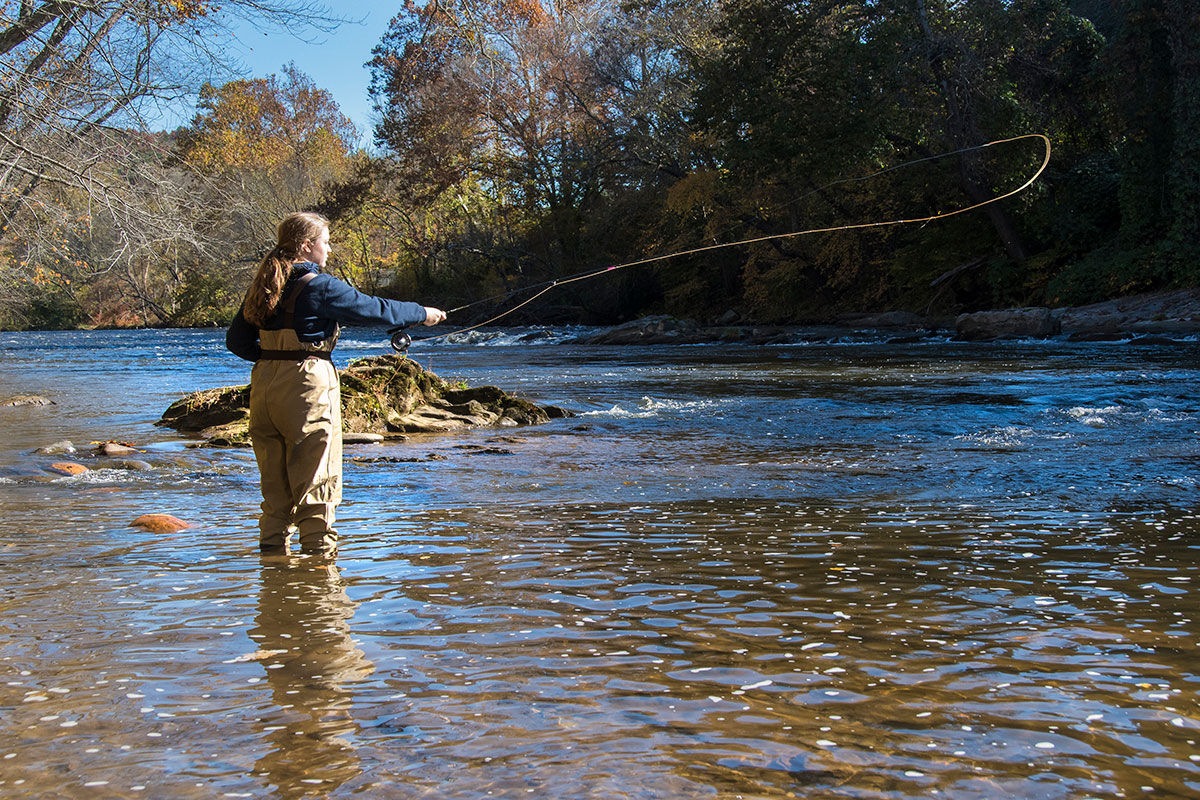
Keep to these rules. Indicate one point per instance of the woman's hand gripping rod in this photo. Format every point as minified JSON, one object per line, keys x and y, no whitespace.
{"x":400,"y":339}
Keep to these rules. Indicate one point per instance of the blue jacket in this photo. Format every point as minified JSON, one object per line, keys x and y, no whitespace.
{"x":324,"y":303}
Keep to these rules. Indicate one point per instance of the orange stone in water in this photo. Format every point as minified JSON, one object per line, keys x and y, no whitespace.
{"x":67,"y":468}
{"x":159,"y":523}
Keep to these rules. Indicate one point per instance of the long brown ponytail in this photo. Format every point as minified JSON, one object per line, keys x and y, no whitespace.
{"x":266,"y":290}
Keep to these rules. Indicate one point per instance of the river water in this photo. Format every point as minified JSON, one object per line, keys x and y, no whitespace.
{"x":840,"y":569}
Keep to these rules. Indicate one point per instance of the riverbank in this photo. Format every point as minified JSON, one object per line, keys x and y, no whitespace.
{"x":1161,"y":315}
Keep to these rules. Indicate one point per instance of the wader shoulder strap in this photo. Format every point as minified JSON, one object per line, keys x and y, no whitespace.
{"x":288,"y":318}
{"x":289,"y":302}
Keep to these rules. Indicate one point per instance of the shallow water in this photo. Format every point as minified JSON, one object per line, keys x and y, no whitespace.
{"x":850,"y":569}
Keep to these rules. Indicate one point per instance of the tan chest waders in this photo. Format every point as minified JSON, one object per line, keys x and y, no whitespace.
{"x":296,"y":430}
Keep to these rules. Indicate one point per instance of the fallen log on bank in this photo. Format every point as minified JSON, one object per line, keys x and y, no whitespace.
{"x":389,"y":395}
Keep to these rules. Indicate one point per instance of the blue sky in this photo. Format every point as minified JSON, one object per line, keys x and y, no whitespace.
{"x":335,"y":61}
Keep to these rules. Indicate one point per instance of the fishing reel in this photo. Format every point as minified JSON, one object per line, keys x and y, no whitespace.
{"x":400,"y":340}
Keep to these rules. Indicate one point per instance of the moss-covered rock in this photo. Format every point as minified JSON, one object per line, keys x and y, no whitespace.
{"x":385,"y":394}
{"x":221,"y":416}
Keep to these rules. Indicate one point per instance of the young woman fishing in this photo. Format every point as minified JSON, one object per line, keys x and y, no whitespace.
{"x":288,"y":326}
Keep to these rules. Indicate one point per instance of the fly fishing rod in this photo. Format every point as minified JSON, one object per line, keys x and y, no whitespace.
{"x":400,"y":339}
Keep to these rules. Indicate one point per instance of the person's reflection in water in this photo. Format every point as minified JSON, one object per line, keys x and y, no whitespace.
{"x":303,"y":635}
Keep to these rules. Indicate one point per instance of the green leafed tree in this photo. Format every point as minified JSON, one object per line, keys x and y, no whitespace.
{"x":804,"y":96}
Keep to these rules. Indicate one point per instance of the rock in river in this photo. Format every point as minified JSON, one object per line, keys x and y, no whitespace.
{"x":159,"y":523}
{"x":64,"y":446}
{"x":67,"y":468}
{"x":387,"y":394}
{"x":1033,"y":323}
{"x":115,"y":449}
{"x":26,"y":400}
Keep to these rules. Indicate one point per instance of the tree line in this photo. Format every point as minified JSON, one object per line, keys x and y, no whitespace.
{"x":520,"y":141}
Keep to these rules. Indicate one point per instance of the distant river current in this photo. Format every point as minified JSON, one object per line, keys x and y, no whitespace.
{"x":850,"y":569}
